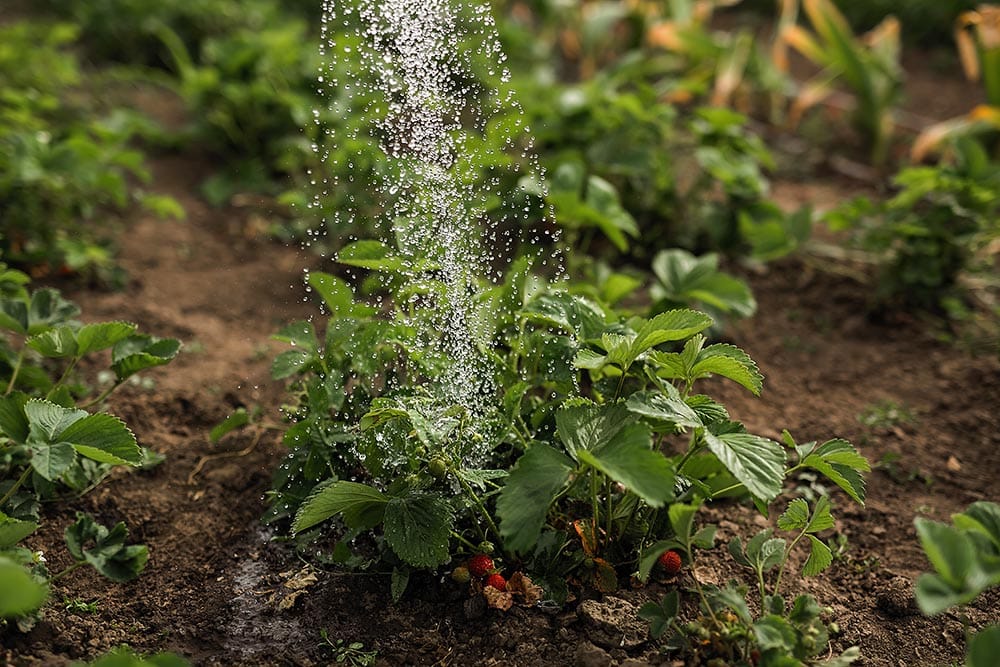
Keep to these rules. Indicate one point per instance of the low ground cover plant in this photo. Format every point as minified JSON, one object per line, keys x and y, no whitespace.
{"x":52,"y":445}
{"x":966,"y":560}
{"x":588,"y":464}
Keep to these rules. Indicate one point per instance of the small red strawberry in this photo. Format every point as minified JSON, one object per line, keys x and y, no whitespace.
{"x":670,"y":561}
{"x":480,"y":565}
{"x":497,"y":581}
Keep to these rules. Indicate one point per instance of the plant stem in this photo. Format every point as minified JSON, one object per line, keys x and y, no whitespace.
{"x":17,"y":485}
{"x":621,"y":385}
{"x":100,"y":399}
{"x":482,"y":509}
{"x":718,"y":493}
{"x":784,"y":561}
{"x":472,"y":547}
{"x":13,"y":375}
{"x":692,"y":449}
{"x":68,"y":569}
{"x":62,"y":378}
{"x":595,"y":503}
{"x":608,"y":509}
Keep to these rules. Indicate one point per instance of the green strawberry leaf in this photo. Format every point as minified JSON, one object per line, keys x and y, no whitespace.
{"x":984,"y":647}
{"x":819,"y":559}
{"x":527,"y":494}
{"x":669,"y":326}
{"x":730,"y":362}
{"x":567,"y":312}
{"x":338,"y":296}
{"x":628,"y":458}
{"x":375,"y":255}
{"x":49,"y":309}
{"x":13,"y":530}
{"x":418,"y":529}
{"x":581,"y":424}
{"x":13,"y":422}
{"x":758,"y":463}
{"x":105,"y":550}
{"x":796,"y":516}
{"x":139,"y":351}
{"x":362,"y":506}
{"x":840,"y":462}
{"x":47,"y":420}
{"x":982,"y":518}
{"x":103,"y":438}
{"x":14,"y":315}
{"x":20,"y":594}
{"x":290,"y":362}
{"x":58,"y":343}
{"x":663,"y":408}
{"x":300,"y":334}
{"x":962,"y":571}
{"x":51,"y":460}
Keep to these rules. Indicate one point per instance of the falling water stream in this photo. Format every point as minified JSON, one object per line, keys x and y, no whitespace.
{"x":428,"y":81}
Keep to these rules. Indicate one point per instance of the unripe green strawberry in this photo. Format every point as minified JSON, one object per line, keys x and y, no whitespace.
{"x":480,"y":565}
{"x":438,"y":467}
{"x":497,"y":581}
{"x":460,"y":575}
{"x":670,"y":561}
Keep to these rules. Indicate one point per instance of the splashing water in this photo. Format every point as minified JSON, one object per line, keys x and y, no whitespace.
{"x":427,"y":83}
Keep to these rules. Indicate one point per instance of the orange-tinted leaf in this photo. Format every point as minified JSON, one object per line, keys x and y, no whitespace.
{"x":588,"y":535}
{"x":665,"y":35}
{"x":800,"y":40}
{"x":967,"y":52}
{"x":811,"y":94}
{"x":526,"y":591}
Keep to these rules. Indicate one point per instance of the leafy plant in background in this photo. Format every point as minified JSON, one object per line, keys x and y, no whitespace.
{"x":867,"y":65}
{"x":966,"y":561}
{"x":683,"y":279}
{"x":978,"y":36}
{"x":713,"y":61}
{"x":723,"y":196}
{"x":930,"y":234}
{"x":250,"y":93}
{"x":61,"y":171}
{"x":50,"y":445}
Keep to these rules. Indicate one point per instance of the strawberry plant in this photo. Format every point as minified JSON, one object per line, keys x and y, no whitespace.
{"x":966,"y":561}
{"x":51,"y":446}
{"x":61,"y":169}
{"x":931,"y":235}
{"x":572,"y":476}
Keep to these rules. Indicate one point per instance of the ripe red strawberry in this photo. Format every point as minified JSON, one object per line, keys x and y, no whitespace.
{"x":670,"y":561}
{"x":480,"y":565}
{"x":497,"y":581}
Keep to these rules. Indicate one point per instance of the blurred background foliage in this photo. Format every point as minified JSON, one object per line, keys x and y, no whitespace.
{"x":656,"y":121}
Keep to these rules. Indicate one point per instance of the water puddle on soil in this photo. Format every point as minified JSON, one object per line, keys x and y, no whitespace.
{"x":261,"y":599}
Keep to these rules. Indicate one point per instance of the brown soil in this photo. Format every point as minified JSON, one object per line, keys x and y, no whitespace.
{"x":218,"y":591}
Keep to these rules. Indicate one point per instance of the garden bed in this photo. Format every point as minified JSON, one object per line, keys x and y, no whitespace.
{"x":218,"y":591}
